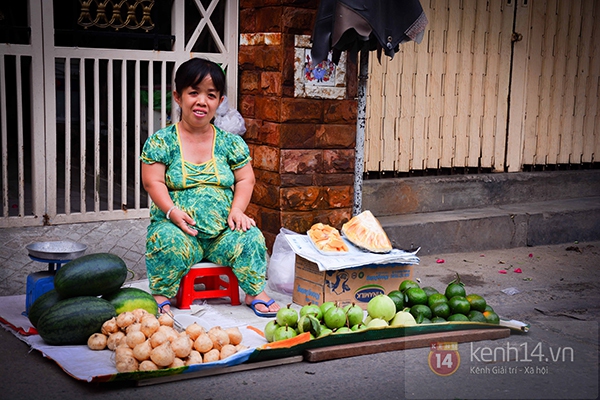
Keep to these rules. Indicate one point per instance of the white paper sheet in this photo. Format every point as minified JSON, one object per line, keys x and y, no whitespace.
{"x":355,"y":257}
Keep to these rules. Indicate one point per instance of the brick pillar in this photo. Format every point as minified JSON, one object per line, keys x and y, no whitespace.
{"x":302,"y":147}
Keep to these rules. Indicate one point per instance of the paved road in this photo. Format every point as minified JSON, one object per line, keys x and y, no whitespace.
{"x":558,"y":358}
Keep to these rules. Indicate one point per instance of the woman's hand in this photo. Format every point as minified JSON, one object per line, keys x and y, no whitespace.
{"x":242,"y":192}
{"x":153,"y":178}
{"x":238,"y":220}
{"x":183,"y":221}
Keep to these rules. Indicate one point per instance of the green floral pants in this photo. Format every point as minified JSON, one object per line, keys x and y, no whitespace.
{"x":170,"y":253}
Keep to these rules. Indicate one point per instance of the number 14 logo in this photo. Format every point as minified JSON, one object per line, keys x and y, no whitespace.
{"x":443,"y":358}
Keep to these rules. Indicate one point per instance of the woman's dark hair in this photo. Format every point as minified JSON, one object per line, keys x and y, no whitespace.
{"x":193,"y":71}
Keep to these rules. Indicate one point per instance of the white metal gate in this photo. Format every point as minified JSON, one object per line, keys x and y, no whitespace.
{"x":76,"y":104}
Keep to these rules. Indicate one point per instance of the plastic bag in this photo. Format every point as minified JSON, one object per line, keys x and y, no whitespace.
{"x":229,"y":119}
{"x":510,"y":291}
{"x":282,"y":264}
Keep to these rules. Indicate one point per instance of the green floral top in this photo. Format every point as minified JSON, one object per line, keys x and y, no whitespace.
{"x":204,"y":191}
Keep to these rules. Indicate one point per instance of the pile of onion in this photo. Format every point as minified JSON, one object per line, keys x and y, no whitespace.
{"x":143,"y":342}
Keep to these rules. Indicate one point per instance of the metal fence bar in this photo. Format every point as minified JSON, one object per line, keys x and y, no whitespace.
{"x":136,"y":164}
{"x":97,"y":177}
{"x":150,"y":105}
{"x":82,"y":129}
{"x":110,"y":135}
{"x":21,"y":156}
{"x":163,"y":95}
{"x":123,"y":135}
{"x":68,"y":127}
{"x":3,"y":138}
{"x":45,"y":135}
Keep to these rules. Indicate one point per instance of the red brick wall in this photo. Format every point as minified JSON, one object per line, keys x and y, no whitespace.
{"x":302,"y":148}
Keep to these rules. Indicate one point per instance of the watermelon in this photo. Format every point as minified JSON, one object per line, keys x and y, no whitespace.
{"x":129,"y":299}
{"x":91,"y":275}
{"x":72,"y":321}
{"x":41,"y":304}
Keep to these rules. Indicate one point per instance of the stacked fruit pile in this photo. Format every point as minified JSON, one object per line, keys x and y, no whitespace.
{"x":427,"y":305}
{"x":87,"y":292}
{"x":143,"y":342}
{"x":328,"y":318}
{"x":407,"y":306}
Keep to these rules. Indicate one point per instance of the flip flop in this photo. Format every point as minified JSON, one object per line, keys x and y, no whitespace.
{"x":164,"y":303}
{"x":266,"y":304}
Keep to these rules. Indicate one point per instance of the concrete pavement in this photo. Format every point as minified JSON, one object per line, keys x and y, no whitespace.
{"x":558,"y":294}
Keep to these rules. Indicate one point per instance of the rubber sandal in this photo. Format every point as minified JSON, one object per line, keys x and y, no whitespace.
{"x":164,"y":303}
{"x":266,"y":304}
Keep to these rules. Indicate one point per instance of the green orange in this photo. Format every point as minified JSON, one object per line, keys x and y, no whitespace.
{"x":476,"y":316}
{"x":436,"y":298}
{"x":441,"y":309}
{"x":398,"y":299}
{"x":421,"y":310}
{"x":477,"y":302}
{"x":455,"y":289}
{"x":491,"y":317}
{"x":458,"y":317}
{"x":407,"y":284}
{"x":459,"y":305}
{"x":416,"y":296}
{"x":429,"y":290}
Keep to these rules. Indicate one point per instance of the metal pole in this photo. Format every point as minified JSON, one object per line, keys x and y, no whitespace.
{"x":359,"y":163}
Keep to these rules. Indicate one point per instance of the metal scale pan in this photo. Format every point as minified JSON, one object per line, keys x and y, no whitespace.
{"x":55,"y":254}
{"x":55,"y":251}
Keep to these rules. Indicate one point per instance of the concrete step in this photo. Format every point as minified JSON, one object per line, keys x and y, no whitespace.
{"x":456,"y":213}
{"x":456,"y":192}
{"x":496,"y":227}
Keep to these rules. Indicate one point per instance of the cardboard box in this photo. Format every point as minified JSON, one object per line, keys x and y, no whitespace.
{"x":358,"y":284}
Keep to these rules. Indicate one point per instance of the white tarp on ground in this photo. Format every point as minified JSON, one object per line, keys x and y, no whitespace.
{"x":302,"y":246}
{"x":84,"y":364}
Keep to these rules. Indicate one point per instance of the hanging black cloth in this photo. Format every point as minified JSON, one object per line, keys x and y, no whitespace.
{"x":382,"y":25}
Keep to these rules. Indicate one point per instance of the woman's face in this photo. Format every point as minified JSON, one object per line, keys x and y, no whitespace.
{"x":199,"y":103}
